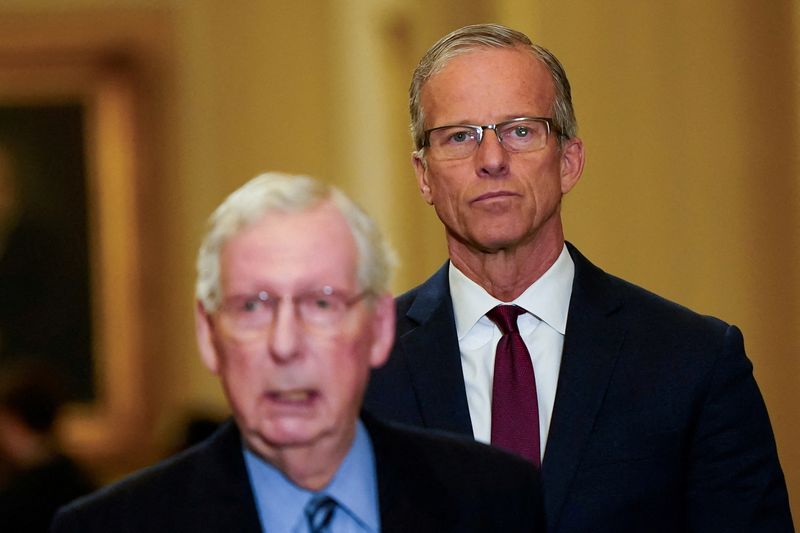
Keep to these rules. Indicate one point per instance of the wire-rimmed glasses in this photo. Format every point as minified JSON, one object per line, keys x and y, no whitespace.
{"x":246,"y":315}
{"x":458,"y":141}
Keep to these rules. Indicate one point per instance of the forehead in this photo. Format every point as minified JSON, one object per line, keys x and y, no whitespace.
{"x":488,"y":84}
{"x":291,"y":251}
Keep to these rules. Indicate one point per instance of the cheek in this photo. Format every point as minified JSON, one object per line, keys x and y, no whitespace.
{"x":240,"y":369}
{"x":446,"y":199}
{"x":344,"y":362}
{"x":543,"y":178}
{"x":345,"y":386}
{"x":445,"y":179}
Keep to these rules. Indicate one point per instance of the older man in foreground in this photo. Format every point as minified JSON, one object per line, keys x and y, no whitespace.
{"x":293,"y":311}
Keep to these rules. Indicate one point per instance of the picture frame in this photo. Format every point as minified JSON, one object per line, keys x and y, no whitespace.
{"x":107,"y":420}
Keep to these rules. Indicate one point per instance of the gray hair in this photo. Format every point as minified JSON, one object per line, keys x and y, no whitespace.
{"x":283,"y":193}
{"x":470,"y":38}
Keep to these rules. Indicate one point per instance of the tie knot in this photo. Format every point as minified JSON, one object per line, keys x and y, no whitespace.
{"x":319,"y":513}
{"x":505,"y":316}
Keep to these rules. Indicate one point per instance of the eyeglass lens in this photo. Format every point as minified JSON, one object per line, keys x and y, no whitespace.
{"x":460,"y":141}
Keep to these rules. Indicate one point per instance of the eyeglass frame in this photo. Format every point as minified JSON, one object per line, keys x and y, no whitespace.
{"x":551,"y":128}
{"x":274,"y":302}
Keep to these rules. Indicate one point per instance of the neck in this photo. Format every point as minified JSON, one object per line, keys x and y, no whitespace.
{"x":507,"y":273}
{"x":311,"y":467}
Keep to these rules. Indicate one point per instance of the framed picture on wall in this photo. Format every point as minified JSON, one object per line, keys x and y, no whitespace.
{"x":45,"y":308}
{"x":69,"y":269}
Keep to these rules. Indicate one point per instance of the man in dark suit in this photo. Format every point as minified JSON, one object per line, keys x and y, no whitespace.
{"x":643,"y":415}
{"x":293,"y":310}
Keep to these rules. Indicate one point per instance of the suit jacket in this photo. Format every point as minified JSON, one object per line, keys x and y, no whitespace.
{"x":426,"y":483}
{"x":658,"y":424}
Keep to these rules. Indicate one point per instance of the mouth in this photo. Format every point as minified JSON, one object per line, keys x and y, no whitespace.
{"x":294,"y":397}
{"x":494,"y":195}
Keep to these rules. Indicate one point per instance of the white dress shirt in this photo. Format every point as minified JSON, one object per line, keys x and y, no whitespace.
{"x":542,"y":328}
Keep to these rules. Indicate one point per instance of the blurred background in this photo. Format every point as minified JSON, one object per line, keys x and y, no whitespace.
{"x":690,"y":112}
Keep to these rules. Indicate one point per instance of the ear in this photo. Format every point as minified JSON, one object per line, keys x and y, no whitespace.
{"x":421,"y":170}
{"x":572,"y":160}
{"x":383,"y":323}
{"x":204,"y":330}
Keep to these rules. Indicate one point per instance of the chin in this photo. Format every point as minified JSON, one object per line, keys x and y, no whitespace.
{"x":498,"y":233}
{"x":289,"y":434}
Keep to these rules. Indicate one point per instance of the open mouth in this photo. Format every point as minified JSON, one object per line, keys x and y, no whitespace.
{"x":293,"y":397}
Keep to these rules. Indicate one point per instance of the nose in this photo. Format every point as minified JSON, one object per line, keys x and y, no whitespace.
{"x":284,"y":339}
{"x":491,"y":158}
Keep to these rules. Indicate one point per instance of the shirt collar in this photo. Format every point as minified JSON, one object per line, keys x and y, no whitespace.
{"x":354,"y":486}
{"x":547,"y":298}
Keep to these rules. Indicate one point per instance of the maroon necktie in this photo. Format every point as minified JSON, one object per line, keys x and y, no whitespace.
{"x":515,"y":409}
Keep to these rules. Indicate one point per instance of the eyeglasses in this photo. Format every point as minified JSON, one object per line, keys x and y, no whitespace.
{"x":524,"y":134}
{"x":321,"y":308}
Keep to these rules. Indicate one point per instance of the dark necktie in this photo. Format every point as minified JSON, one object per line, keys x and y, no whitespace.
{"x":515,"y":409}
{"x":319,"y":513}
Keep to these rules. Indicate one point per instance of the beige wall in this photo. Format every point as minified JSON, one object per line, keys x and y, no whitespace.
{"x":689,"y":111}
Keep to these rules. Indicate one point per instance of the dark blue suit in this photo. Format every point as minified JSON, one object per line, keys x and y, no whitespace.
{"x":658,"y":423}
{"x":427,"y":482}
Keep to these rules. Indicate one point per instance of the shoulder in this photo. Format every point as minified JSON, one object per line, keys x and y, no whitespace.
{"x":156,"y":494}
{"x":453,"y":483}
{"x":422,"y":300}
{"x":462,"y":460}
{"x":146,"y":491}
{"x":640,"y":308}
{"x":654,"y":308}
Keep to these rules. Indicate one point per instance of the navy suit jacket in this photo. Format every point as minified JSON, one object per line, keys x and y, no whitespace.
{"x":658,"y":424}
{"x":427,"y":482}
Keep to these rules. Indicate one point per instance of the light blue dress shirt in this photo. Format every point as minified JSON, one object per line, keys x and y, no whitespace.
{"x":280,"y":502}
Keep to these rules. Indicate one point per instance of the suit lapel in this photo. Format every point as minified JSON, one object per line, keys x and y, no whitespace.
{"x":223,"y":499}
{"x":591,"y":346}
{"x":433,"y":356}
